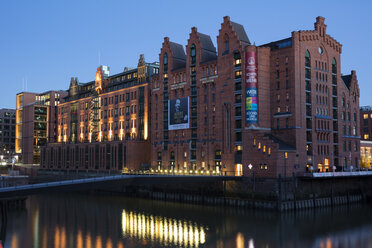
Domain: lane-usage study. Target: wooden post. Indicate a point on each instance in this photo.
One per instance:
(294, 189)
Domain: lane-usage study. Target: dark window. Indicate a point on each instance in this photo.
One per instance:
(334, 66)
(193, 54)
(307, 59)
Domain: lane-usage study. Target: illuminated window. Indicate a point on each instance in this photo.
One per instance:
(269, 151)
(254, 142)
(264, 149)
(278, 109)
(259, 145)
(238, 148)
(238, 74)
(286, 155)
(371, 116)
(366, 136)
(237, 59)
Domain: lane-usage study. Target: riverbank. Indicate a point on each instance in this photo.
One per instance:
(280, 194)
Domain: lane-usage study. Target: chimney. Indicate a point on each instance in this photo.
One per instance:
(320, 26)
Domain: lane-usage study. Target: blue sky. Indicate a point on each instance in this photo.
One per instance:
(48, 42)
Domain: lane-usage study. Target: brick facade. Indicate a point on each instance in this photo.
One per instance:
(306, 110)
(104, 124)
(208, 113)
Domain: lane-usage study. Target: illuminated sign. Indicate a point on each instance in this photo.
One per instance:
(178, 113)
(251, 87)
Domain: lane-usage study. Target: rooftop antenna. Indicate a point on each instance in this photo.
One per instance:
(23, 84)
(26, 83)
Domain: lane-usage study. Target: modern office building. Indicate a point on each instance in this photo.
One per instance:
(104, 124)
(35, 123)
(7, 133)
(275, 109)
(366, 123)
(366, 136)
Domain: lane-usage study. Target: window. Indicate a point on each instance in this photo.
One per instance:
(193, 54)
(365, 116)
(226, 43)
(366, 136)
(307, 59)
(334, 66)
(237, 59)
(165, 63)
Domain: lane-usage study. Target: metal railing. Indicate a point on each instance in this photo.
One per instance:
(184, 172)
(128, 174)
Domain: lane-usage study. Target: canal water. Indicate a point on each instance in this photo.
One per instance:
(101, 220)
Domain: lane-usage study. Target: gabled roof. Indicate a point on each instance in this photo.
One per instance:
(240, 32)
(179, 56)
(177, 50)
(347, 80)
(208, 50)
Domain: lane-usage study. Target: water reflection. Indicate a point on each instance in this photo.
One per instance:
(162, 230)
(97, 221)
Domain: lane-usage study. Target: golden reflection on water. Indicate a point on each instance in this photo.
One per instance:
(163, 230)
(88, 241)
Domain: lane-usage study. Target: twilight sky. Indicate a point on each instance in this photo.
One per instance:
(47, 42)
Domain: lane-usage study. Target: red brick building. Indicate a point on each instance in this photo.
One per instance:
(275, 109)
(104, 124)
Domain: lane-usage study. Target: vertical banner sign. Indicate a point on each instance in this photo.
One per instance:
(251, 87)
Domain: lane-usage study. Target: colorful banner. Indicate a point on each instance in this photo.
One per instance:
(251, 87)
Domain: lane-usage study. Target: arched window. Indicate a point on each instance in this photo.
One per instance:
(193, 54)
(165, 59)
(334, 66)
(165, 62)
(307, 65)
(307, 59)
(226, 39)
